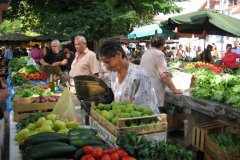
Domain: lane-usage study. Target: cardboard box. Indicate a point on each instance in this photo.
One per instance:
(111, 139)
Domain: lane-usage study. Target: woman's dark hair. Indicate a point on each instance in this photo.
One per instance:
(158, 40)
(109, 49)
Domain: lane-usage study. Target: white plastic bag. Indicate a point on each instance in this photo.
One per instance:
(65, 108)
(31, 62)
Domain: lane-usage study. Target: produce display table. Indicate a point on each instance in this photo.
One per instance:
(200, 110)
(206, 107)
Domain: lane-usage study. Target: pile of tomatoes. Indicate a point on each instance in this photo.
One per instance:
(35, 76)
(97, 153)
(211, 66)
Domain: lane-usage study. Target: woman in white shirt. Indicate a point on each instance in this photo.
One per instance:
(128, 81)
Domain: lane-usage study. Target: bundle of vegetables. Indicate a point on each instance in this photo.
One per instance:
(144, 149)
(230, 143)
(30, 92)
(223, 89)
(16, 63)
(30, 69)
(213, 68)
(35, 76)
(18, 80)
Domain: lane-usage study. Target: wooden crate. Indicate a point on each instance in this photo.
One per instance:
(234, 127)
(23, 100)
(121, 124)
(201, 130)
(214, 152)
(22, 111)
(110, 139)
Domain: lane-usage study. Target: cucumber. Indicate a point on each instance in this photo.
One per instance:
(75, 131)
(49, 150)
(78, 154)
(31, 148)
(84, 136)
(80, 143)
(43, 137)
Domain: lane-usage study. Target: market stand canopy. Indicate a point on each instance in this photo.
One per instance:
(15, 37)
(150, 30)
(206, 21)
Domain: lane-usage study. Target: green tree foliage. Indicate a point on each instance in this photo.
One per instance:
(8, 27)
(94, 19)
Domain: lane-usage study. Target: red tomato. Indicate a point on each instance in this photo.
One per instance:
(87, 157)
(122, 153)
(106, 157)
(115, 156)
(105, 151)
(128, 158)
(112, 150)
(97, 152)
(87, 149)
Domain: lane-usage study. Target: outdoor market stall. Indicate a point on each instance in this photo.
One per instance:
(29, 134)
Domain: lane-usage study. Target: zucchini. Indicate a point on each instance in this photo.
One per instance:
(75, 131)
(82, 142)
(49, 150)
(43, 137)
(78, 154)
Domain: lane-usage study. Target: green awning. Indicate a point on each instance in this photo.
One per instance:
(150, 30)
(208, 21)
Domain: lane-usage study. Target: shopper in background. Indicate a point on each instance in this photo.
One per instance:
(154, 63)
(206, 55)
(128, 81)
(56, 57)
(69, 55)
(236, 47)
(180, 52)
(230, 58)
(36, 53)
(85, 61)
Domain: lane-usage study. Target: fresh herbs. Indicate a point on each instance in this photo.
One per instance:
(144, 149)
(31, 119)
(230, 143)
